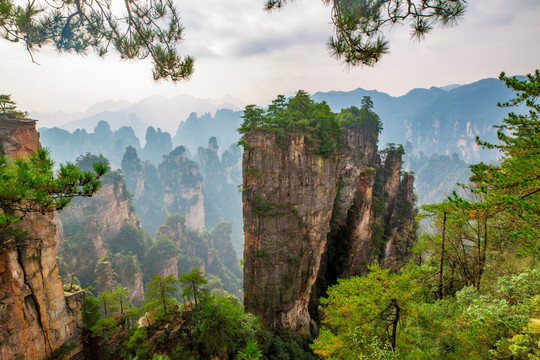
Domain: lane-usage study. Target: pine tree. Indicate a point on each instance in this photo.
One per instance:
(511, 189)
(359, 25)
(31, 185)
(8, 108)
(149, 28)
(193, 282)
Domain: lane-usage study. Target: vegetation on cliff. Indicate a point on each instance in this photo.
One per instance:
(8, 109)
(32, 185)
(300, 114)
(182, 319)
(473, 289)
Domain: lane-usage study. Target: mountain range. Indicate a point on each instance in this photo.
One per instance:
(432, 121)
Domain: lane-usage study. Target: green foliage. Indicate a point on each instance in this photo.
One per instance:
(86, 162)
(160, 294)
(104, 328)
(138, 343)
(299, 114)
(261, 205)
(128, 240)
(479, 326)
(359, 312)
(473, 243)
(147, 29)
(160, 250)
(284, 346)
(512, 188)
(192, 283)
(363, 118)
(359, 25)
(251, 352)
(30, 185)
(90, 312)
(8, 108)
(63, 351)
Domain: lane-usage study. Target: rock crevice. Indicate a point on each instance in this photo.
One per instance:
(309, 220)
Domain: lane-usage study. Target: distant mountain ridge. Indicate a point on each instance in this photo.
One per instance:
(435, 120)
(158, 111)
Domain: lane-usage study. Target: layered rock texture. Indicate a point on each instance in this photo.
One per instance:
(174, 187)
(102, 239)
(36, 316)
(180, 249)
(221, 177)
(310, 219)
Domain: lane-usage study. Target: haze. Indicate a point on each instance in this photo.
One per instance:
(248, 54)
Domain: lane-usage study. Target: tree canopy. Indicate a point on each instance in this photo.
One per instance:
(149, 28)
(152, 28)
(8, 108)
(31, 185)
(300, 114)
(360, 25)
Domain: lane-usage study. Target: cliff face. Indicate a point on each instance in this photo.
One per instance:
(182, 188)
(221, 178)
(111, 203)
(288, 199)
(310, 219)
(210, 250)
(174, 187)
(36, 316)
(96, 229)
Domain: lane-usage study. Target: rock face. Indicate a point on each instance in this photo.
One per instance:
(174, 187)
(211, 250)
(99, 227)
(310, 219)
(36, 316)
(221, 178)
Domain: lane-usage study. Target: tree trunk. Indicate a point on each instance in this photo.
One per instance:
(440, 290)
(394, 325)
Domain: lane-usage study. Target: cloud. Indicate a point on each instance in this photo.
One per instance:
(268, 43)
(242, 28)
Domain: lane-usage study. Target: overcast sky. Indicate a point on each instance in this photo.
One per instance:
(252, 55)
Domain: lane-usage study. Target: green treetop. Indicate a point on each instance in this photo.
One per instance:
(192, 282)
(160, 293)
(8, 108)
(300, 114)
(364, 117)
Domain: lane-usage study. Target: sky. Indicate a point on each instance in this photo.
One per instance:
(252, 55)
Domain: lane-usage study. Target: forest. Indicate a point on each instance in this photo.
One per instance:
(470, 286)
(332, 225)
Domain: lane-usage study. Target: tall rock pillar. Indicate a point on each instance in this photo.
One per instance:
(36, 316)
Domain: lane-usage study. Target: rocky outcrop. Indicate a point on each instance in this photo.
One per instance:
(288, 200)
(36, 316)
(98, 228)
(174, 187)
(129, 274)
(19, 137)
(105, 275)
(310, 219)
(210, 250)
(221, 178)
(112, 203)
(182, 188)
